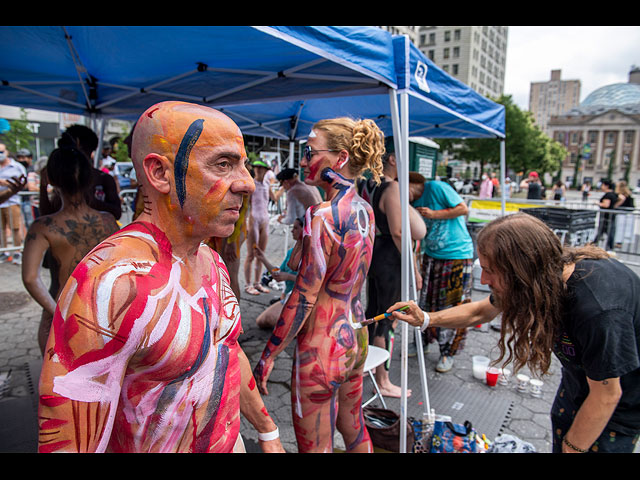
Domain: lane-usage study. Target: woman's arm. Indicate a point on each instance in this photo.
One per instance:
(35, 246)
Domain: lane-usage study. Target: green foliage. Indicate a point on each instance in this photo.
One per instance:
(20, 136)
(526, 146)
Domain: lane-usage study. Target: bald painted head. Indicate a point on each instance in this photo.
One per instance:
(190, 160)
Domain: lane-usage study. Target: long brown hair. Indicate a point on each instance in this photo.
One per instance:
(530, 259)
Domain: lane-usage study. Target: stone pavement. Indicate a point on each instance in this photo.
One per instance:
(493, 411)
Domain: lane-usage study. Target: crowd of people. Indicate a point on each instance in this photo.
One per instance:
(140, 324)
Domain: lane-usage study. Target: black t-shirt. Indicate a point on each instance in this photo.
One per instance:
(534, 191)
(600, 337)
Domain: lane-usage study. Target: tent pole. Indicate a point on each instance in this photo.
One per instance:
(503, 168)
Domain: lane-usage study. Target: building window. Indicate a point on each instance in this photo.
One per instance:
(456, 52)
(454, 68)
(445, 53)
(611, 138)
(628, 138)
(456, 34)
(447, 36)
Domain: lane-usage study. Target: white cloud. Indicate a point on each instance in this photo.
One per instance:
(595, 55)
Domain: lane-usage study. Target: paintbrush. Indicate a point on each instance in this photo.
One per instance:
(380, 317)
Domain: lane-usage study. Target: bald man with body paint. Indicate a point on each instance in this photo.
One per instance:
(143, 353)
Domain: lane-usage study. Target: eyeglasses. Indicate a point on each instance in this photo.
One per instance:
(308, 152)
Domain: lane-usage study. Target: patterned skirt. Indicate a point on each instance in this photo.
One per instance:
(445, 284)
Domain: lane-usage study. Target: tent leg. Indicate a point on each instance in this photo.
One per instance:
(503, 171)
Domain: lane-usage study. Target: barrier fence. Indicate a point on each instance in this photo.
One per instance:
(575, 222)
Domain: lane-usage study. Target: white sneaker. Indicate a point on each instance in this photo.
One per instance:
(17, 259)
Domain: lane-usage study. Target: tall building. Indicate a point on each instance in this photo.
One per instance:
(602, 134)
(475, 55)
(552, 98)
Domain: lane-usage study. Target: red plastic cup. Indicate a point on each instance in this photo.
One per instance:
(492, 376)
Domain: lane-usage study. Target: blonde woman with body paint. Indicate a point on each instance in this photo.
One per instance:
(324, 308)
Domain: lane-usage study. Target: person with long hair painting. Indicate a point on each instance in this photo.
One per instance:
(324, 309)
(577, 303)
(143, 354)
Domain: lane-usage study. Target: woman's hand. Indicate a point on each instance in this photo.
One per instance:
(261, 374)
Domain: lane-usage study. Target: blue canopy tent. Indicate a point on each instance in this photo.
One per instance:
(274, 81)
(119, 71)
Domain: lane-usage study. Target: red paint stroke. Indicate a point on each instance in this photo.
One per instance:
(54, 446)
(52, 423)
(150, 114)
(252, 384)
(52, 400)
(264, 411)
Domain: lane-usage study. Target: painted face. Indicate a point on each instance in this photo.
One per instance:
(490, 276)
(216, 178)
(320, 159)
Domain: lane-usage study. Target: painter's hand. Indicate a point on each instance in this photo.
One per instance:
(414, 316)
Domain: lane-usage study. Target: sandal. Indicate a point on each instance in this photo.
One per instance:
(261, 288)
(251, 290)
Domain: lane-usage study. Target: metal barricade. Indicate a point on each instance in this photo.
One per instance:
(620, 234)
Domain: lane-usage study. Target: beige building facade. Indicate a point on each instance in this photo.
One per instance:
(475, 55)
(602, 134)
(552, 98)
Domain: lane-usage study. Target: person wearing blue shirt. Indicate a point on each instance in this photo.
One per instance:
(447, 263)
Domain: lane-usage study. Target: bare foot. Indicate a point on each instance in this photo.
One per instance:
(392, 390)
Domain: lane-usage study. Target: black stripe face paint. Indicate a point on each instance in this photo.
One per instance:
(181, 163)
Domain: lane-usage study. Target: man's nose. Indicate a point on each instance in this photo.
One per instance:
(244, 183)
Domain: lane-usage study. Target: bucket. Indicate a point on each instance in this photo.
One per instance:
(480, 365)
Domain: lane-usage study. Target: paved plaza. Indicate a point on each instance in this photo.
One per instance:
(492, 410)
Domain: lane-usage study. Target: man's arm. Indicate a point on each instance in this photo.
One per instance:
(593, 415)
(84, 364)
(253, 409)
(465, 315)
(445, 213)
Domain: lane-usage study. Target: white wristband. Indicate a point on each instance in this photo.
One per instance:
(265, 437)
(425, 322)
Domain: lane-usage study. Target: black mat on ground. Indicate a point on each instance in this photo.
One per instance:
(18, 415)
(487, 409)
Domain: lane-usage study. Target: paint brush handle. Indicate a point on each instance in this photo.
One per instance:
(377, 318)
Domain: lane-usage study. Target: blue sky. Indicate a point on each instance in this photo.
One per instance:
(595, 55)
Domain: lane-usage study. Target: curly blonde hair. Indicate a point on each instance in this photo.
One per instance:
(363, 139)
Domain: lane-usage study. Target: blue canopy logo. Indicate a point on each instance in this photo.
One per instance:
(421, 77)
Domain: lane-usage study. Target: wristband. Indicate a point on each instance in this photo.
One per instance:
(571, 446)
(265, 437)
(425, 322)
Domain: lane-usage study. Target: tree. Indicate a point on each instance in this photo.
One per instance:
(526, 146)
(19, 136)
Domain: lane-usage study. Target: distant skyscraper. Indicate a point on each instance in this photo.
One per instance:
(475, 55)
(552, 98)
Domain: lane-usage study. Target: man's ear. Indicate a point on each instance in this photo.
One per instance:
(158, 170)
